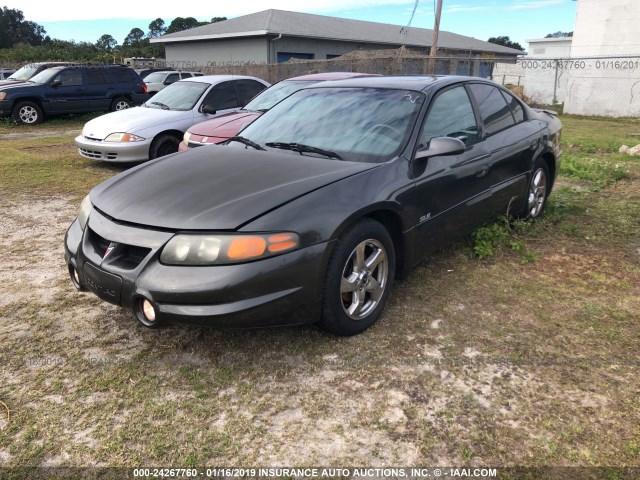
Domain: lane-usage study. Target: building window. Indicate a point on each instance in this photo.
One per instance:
(286, 56)
(330, 56)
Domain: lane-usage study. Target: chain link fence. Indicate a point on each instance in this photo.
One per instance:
(602, 86)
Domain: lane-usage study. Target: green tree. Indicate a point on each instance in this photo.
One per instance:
(505, 42)
(559, 34)
(218, 19)
(106, 42)
(157, 28)
(179, 24)
(134, 37)
(14, 29)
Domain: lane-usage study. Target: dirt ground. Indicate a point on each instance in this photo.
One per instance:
(474, 362)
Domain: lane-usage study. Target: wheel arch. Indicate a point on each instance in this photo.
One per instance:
(550, 159)
(173, 132)
(391, 219)
(37, 100)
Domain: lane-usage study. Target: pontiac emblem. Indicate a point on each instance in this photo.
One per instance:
(109, 250)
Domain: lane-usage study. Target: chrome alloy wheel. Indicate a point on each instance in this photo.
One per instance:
(364, 279)
(122, 105)
(28, 114)
(537, 192)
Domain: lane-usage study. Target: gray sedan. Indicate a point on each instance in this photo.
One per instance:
(156, 128)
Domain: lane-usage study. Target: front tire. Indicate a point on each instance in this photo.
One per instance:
(164, 144)
(28, 113)
(359, 278)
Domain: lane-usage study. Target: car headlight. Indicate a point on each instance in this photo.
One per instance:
(186, 137)
(226, 249)
(123, 137)
(3, 95)
(85, 209)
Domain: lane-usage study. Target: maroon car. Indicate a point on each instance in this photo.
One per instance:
(222, 128)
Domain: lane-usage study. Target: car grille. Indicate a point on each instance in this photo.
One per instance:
(92, 139)
(122, 256)
(194, 144)
(98, 155)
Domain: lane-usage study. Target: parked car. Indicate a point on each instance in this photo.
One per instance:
(155, 129)
(222, 128)
(75, 89)
(156, 81)
(143, 72)
(310, 215)
(5, 73)
(30, 70)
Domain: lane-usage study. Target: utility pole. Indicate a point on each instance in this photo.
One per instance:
(434, 41)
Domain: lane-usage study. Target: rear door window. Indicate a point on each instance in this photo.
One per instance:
(514, 104)
(97, 76)
(496, 114)
(247, 89)
(185, 75)
(172, 78)
(222, 96)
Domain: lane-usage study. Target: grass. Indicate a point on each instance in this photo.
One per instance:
(476, 361)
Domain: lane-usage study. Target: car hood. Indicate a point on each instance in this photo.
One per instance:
(131, 120)
(7, 85)
(225, 126)
(215, 187)
(4, 83)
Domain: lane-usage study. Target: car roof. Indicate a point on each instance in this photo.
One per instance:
(415, 82)
(214, 79)
(326, 76)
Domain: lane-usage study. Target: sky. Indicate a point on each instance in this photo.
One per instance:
(518, 19)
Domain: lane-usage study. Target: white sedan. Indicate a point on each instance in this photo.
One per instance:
(155, 128)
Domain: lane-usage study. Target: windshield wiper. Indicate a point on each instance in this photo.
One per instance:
(161, 105)
(300, 148)
(246, 141)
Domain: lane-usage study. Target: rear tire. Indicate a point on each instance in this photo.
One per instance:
(28, 113)
(538, 190)
(359, 278)
(120, 103)
(163, 144)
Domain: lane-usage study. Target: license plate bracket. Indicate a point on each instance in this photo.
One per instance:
(105, 285)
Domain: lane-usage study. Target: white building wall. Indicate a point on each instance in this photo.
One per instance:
(217, 53)
(609, 88)
(541, 82)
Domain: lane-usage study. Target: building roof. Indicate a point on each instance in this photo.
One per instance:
(281, 22)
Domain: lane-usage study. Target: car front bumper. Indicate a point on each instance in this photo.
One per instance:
(282, 290)
(113, 151)
(5, 108)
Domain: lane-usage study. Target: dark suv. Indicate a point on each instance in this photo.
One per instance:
(73, 89)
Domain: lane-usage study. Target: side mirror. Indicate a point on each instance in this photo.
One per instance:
(56, 83)
(209, 109)
(442, 146)
(167, 82)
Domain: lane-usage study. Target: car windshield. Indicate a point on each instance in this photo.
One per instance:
(25, 73)
(155, 77)
(359, 124)
(45, 75)
(178, 96)
(273, 95)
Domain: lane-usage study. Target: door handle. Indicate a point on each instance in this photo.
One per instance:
(482, 171)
